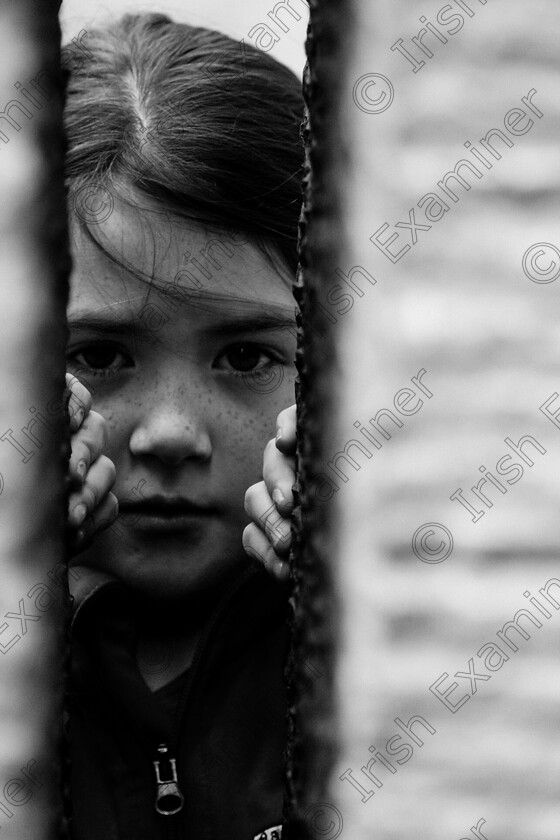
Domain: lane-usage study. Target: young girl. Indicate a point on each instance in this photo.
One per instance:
(184, 172)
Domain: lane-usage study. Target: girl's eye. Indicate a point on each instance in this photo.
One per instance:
(245, 358)
(100, 359)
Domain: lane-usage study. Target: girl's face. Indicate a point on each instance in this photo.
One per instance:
(190, 385)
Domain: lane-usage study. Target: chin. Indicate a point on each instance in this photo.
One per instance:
(170, 573)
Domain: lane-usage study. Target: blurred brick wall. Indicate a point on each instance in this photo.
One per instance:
(459, 305)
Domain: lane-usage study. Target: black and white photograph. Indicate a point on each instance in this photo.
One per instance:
(280, 420)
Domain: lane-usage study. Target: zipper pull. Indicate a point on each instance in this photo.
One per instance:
(169, 799)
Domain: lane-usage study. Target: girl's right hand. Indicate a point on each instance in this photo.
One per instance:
(270, 502)
(91, 504)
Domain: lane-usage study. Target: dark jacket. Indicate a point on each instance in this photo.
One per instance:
(227, 734)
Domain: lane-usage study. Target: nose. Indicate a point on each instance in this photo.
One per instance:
(170, 430)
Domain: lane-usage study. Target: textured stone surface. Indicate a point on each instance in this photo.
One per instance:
(312, 743)
(32, 467)
(459, 306)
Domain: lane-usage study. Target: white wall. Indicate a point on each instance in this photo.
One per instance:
(235, 20)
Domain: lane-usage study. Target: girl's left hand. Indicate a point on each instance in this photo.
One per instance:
(91, 506)
(270, 502)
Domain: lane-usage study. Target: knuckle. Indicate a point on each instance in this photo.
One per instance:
(272, 467)
(89, 496)
(84, 395)
(79, 450)
(97, 426)
(287, 415)
(276, 528)
(74, 499)
(247, 500)
(270, 448)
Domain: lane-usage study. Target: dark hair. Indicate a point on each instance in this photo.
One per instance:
(207, 126)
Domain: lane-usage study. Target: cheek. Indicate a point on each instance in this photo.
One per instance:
(240, 438)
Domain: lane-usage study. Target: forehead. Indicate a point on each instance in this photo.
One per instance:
(139, 249)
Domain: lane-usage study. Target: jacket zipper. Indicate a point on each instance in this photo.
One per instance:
(169, 799)
(170, 787)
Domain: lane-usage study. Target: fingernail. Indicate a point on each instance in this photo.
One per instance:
(283, 569)
(277, 496)
(252, 553)
(79, 514)
(81, 469)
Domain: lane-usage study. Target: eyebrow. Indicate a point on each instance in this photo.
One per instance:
(106, 325)
(226, 324)
(252, 323)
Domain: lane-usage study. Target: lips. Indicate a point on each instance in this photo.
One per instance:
(164, 513)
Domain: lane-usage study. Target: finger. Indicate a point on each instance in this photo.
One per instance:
(257, 546)
(79, 403)
(262, 510)
(99, 480)
(87, 443)
(103, 516)
(279, 473)
(286, 431)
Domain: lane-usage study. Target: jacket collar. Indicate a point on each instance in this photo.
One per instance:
(84, 583)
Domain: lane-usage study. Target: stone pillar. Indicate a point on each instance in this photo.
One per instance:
(428, 591)
(33, 268)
